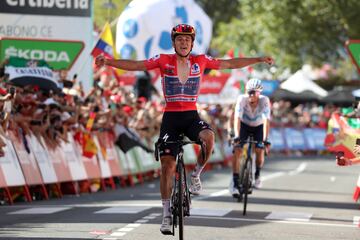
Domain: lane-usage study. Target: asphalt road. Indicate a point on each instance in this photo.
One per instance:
(301, 198)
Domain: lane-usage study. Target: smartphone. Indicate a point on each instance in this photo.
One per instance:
(12, 91)
(35, 122)
(339, 154)
(358, 141)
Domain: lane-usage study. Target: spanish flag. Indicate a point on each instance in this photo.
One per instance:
(105, 45)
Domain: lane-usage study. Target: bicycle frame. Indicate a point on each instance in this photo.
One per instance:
(246, 175)
(180, 198)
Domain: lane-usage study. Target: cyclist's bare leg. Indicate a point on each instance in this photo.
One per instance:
(259, 157)
(208, 138)
(236, 160)
(259, 163)
(236, 167)
(168, 166)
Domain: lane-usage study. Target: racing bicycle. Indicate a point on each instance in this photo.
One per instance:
(247, 172)
(180, 197)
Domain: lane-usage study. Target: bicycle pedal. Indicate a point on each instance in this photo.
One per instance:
(167, 232)
(236, 195)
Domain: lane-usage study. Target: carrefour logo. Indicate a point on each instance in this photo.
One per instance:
(81, 8)
(58, 54)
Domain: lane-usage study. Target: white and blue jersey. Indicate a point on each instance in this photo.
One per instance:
(254, 117)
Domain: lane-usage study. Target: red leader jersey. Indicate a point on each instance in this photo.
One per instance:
(181, 97)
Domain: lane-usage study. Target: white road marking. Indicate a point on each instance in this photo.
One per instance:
(131, 226)
(299, 169)
(209, 212)
(142, 221)
(125, 229)
(123, 209)
(272, 176)
(214, 194)
(356, 220)
(40, 210)
(289, 216)
(277, 221)
(118, 234)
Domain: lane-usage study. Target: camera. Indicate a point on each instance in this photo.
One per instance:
(340, 154)
(12, 91)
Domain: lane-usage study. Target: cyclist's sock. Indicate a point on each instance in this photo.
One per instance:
(236, 178)
(166, 207)
(198, 169)
(257, 172)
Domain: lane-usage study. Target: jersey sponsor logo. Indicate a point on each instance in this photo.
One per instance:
(195, 69)
(209, 57)
(165, 137)
(181, 99)
(154, 58)
(169, 66)
(169, 71)
(173, 86)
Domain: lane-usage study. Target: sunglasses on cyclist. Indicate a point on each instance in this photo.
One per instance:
(252, 93)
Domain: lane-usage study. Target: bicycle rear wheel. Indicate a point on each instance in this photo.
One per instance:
(180, 202)
(246, 182)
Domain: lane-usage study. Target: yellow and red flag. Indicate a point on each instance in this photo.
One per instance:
(105, 45)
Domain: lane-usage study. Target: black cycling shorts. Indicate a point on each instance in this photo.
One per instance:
(174, 124)
(257, 132)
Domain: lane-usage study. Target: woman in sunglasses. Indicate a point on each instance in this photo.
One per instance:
(181, 75)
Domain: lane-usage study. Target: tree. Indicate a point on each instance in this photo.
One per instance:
(220, 11)
(107, 10)
(293, 31)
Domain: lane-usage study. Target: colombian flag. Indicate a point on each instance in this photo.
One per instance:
(105, 45)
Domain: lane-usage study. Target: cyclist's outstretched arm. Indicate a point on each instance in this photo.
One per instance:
(125, 64)
(243, 62)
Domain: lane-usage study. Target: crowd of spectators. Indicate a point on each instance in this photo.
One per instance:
(50, 115)
(309, 114)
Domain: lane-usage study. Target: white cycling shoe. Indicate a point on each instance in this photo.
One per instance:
(166, 226)
(234, 191)
(258, 183)
(195, 186)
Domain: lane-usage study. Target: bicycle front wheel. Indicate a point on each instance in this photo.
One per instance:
(181, 200)
(246, 183)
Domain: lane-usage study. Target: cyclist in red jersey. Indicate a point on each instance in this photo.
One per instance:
(181, 77)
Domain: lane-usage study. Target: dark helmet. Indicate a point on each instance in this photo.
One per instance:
(183, 29)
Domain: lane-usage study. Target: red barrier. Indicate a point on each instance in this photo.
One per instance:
(356, 194)
(27, 161)
(61, 168)
(29, 166)
(106, 141)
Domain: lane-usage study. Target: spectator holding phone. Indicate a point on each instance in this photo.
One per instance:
(341, 160)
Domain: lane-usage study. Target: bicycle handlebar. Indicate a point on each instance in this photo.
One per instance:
(180, 143)
(236, 142)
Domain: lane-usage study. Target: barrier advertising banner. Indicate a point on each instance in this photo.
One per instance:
(10, 166)
(43, 159)
(31, 29)
(27, 161)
